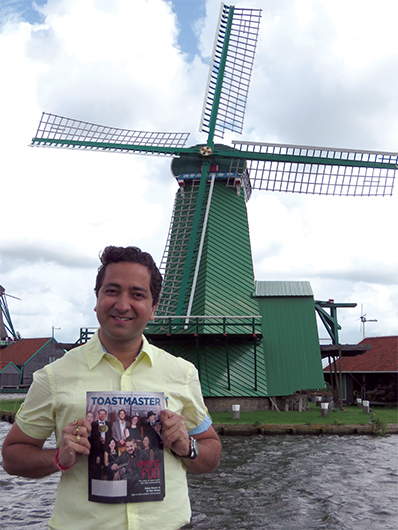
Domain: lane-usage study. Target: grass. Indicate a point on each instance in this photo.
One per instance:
(10, 405)
(350, 415)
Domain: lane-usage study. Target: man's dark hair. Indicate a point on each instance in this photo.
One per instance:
(130, 255)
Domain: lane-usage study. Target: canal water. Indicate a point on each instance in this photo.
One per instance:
(263, 482)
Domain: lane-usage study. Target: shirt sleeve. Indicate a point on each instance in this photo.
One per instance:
(36, 416)
(196, 416)
(202, 427)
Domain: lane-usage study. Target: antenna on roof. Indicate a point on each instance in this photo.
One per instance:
(363, 320)
(53, 329)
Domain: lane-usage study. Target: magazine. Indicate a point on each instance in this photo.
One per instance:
(126, 458)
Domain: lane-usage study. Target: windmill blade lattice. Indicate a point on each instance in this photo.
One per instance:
(316, 170)
(58, 131)
(230, 71)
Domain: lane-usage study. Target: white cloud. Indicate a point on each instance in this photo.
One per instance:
(325, 74)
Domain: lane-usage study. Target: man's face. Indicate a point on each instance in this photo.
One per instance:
(130, 446)
(124, 303)
(122, 415)
(102, 415)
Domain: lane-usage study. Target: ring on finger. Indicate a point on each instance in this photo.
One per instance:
(77, 438)
(76, 422)
(77, 430)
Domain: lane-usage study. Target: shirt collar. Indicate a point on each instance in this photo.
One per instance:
(96, 351)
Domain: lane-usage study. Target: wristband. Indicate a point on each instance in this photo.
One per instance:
(59, 466)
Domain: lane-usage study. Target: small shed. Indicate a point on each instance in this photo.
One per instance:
(10, 375)
(27, 356)
(372, 375)
(290, 336)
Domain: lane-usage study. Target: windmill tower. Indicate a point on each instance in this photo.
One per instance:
(7, 331)
(207, 313)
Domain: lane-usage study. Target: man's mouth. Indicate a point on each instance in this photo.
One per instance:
(121, 319)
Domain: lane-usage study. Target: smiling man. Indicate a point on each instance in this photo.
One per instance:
(118, 357)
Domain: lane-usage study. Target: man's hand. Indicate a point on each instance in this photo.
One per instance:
(25, 456)
(174, 434)
(74, 442)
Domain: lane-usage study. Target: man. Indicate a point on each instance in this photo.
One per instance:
(125, 466)
(151, 418)
(148, 428)
(101, 429)
(101, 434)
(119, 430)
(118, 357)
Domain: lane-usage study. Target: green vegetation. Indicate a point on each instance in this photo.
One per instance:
(351, 415)
(379, 422)
(10, 405)
(379, 416)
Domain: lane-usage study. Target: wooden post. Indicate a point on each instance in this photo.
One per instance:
(235, 412)
(331, 376)
(324, 409)
(341, 382)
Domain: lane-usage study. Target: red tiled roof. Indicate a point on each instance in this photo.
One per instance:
(382, 357)
(21, 351)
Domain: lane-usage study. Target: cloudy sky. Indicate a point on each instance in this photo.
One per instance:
(326, 74)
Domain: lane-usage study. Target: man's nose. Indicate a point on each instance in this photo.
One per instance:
(123, 302)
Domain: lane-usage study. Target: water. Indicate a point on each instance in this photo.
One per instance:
(299, 483)
(278, 482)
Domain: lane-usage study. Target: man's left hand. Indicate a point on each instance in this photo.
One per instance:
(174, 434)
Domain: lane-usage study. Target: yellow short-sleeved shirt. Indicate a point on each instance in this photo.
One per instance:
(57, 397)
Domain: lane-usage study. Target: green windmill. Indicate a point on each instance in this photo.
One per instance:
(207, 312)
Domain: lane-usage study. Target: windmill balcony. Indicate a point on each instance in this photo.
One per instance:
(209, 325)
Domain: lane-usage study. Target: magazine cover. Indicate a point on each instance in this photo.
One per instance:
(126, 458)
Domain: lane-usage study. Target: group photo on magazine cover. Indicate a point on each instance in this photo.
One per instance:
(126, 459)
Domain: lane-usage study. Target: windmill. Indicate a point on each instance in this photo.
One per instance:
(207, 262)
(7, 331)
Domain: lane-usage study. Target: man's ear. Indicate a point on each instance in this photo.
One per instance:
(152, 315)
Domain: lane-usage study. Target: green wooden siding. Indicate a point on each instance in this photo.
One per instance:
(231, 364)
(291, 344)
(227, 367)
(184, 209)
(226, 280)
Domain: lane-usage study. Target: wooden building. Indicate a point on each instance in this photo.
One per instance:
(20, 359)
(372, 375)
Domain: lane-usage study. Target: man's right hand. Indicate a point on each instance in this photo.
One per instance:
(74, 442)
(25, 456)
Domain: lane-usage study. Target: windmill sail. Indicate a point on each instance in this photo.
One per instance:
(58, 131)
(230, 71)
(317, 170)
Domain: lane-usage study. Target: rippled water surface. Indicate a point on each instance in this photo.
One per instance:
(278, 482)
(300, 482)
